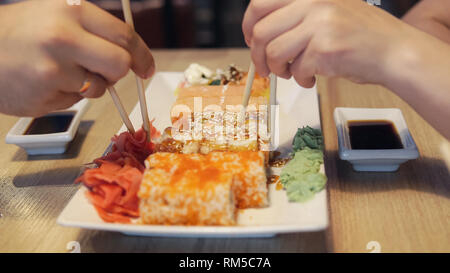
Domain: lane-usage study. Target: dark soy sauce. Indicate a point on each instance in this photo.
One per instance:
(52, 123)
(373, 134)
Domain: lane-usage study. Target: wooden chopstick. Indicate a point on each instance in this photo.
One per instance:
(122, 112)
(273, 89)
(139, 82)
(247, 91)
(272, 109)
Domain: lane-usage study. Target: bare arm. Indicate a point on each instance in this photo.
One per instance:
(431, 16)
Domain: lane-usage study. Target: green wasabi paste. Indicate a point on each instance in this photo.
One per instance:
(300, 177)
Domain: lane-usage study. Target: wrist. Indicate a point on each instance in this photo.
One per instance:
(401, 64)
(415, 63)
(410, 59)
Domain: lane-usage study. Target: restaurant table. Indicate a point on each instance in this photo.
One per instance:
(403, 211)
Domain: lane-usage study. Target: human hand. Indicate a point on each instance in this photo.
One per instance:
(302, 38)
(49, 50)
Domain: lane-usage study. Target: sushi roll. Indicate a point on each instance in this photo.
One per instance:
(249, 176)
(197, 189)
(184, 189)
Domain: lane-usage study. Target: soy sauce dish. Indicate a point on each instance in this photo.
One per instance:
(49, 134)
(374, 139)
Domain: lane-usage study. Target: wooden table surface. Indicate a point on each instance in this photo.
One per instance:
(405, 211)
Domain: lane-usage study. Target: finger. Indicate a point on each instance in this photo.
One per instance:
(63, 100)
(100, 56)
(282, 50)
(256, 10)
(105, 25)
(266, 30)
(302, 69)
(72, 78)
(68, 77)
(94, 86)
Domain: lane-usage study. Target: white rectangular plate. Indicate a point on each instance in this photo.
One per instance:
(298, 107)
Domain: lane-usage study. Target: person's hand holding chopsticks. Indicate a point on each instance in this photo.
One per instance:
(332, 38)
(53, 54)
(351, 39)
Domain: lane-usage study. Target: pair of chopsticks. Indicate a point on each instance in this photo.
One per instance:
(272, 99)
(140, 85)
